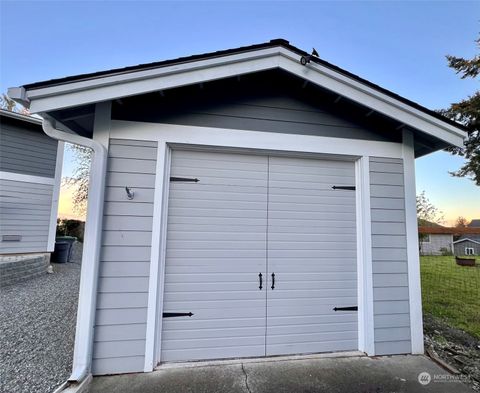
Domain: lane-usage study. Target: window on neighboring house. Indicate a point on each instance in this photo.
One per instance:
(469, 251)
(425, 238)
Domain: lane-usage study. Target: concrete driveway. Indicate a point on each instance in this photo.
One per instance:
(392, 374)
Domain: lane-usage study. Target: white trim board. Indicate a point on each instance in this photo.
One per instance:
(157, 259)
(26, 178)
(55, 196)
(159, 231)
(414, 286)
(111, 87)
(366, 328)
(256, 140)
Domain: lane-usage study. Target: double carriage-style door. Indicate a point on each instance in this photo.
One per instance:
(261, 254)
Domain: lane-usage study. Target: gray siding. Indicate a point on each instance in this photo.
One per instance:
(389, 257)
(25, 211)
(26, 151)
(282, 114)
(120, 326)
(460, 247)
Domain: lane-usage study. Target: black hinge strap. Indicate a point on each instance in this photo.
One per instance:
(176, 314)
(344, 188)
(352, 308)
(187, 179)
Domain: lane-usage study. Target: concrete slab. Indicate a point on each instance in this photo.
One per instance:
(392, 374)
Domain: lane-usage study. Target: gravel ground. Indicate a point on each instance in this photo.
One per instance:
(454, 346)
(37, 330)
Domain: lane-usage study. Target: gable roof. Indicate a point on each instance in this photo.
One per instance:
(20, 117)
(474, 223)
(87, 89)
(466, 239)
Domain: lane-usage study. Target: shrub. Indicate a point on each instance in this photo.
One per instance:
(67, 227)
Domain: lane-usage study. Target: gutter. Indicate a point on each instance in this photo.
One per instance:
(82, 356)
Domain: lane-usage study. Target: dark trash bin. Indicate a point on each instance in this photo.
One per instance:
(60, 253)
(69, 240)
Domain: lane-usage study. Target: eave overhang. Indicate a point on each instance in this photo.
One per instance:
(90, 89)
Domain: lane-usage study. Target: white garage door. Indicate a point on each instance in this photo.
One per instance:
(249, 219)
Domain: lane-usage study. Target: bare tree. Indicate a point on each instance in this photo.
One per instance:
(79, 180)
(461, 222)
(427, 213)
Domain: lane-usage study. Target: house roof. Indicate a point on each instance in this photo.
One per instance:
(81, 92)
(209, 55)
(447, 230)
(20, 116)
(475, 223)
(466, 239)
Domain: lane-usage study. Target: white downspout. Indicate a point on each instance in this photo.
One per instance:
(91, 252)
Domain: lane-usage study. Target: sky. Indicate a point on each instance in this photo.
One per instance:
(398, 45)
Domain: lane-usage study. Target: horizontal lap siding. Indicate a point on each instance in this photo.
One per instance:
(25, 211)
(282, 114)
(26, 151)
(121, 317)
(389, 257)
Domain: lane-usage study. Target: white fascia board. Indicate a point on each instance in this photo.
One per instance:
(373, 99)
(19, 116)
(140, 82)
(466, 239)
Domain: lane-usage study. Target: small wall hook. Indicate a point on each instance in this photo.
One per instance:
(130, 193)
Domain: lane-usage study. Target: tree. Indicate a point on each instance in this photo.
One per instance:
(79, 180)
(467, 112)
(7, 103)
(427, 213)
(461, 222)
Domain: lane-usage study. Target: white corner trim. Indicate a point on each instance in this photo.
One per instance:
(52, 230)
(82, 354)
(157, 259)
(257, 140)
(366, 339)
(414, 283)
(26, 178)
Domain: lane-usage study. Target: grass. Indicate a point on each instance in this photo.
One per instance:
(451, 292)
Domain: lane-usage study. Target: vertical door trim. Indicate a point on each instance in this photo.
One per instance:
(414, 285)
(157, 258)
(364, 257)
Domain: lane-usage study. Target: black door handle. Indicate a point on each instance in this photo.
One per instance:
(273, 280)
(260, 280)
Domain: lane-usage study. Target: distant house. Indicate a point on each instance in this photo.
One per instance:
(30, 173)
(469, 241)
(439, 240)
(436, 240)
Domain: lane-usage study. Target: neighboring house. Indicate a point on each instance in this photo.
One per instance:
(437, 240)
(251, 203)
(468, 243)
(30, 173)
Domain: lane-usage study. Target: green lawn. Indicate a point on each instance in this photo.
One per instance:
(452, 292)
